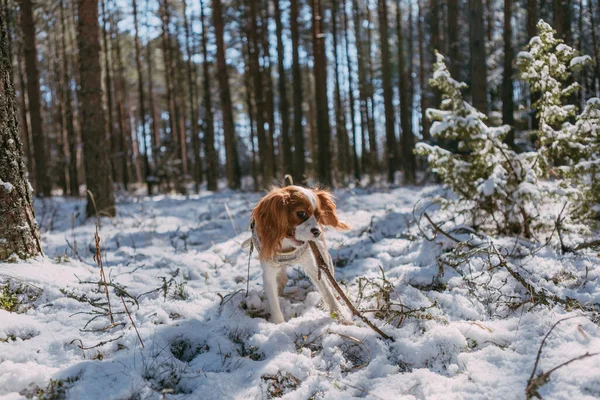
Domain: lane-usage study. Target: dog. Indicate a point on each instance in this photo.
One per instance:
(282, 224)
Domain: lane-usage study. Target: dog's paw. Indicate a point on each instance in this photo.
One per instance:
(277, 319)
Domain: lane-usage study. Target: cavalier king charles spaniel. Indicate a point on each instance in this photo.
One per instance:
(283, 221)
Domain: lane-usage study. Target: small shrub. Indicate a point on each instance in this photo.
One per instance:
(280, 384)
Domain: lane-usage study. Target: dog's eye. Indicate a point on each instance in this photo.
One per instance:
(301, 214)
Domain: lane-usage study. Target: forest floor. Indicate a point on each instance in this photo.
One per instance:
(178, 264)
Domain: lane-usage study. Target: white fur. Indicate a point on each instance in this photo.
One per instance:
(304, 230)
(275, 278)
(309, 194)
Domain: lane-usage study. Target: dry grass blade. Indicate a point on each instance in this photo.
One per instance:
(98, 259)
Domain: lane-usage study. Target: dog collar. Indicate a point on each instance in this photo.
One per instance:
(284, 256)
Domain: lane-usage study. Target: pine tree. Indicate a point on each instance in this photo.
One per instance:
(498, 187)
(546, 66)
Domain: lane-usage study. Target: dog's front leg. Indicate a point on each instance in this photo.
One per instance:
(309, 265)
(270, 273)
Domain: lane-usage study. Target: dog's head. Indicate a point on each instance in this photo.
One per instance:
(295, 213)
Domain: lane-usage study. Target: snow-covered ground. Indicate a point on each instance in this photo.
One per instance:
(181, 259)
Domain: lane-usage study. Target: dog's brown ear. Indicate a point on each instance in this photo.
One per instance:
(271, 219)
(327, 214)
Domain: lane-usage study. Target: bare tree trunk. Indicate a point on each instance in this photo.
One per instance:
(123, 148)
(97, 167)
(370, 78)
(142, 96)
(212, 161)
(69, 115)
(197, 166)
(532, 18)
(320, 74)
(116, 169)
(422, 94)
(340, 116)
(269, 101)
(24, 116)
(18, 228)
(284, 109)
(407, 138)
(169, 76)
(362, 87)
(298, 134)
(453, 39)
(42, 180)
(58, 106)
(250, 109)
(351, 95)
(388, 93)
(266, 159)
(478, 56)
(507, 82)
(232, 165)
(155, 137)
(595, 44)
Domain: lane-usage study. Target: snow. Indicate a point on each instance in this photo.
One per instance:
(205, 339)
(7, 186)
(580, 60)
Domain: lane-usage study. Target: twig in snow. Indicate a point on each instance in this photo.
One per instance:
(534, 383)
(132, 323)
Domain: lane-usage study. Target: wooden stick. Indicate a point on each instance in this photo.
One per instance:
(322, 265)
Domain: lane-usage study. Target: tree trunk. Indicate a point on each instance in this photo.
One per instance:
(266, 159)
(142, 96)
(388, 93)
(341, 132)
(18, 228)
(320, 74)
(453, 39)
(407, 138)
(532, 18)
(507, 82)
(97, 166)
(232, 166)
(351, 95)
(596, 49)
(169, 76)
(212, 161)
(69, 115)
(155, 137)
(424, 103)
(116, 169)
(288, 165)
(42, 180)
(298, 134)
(197, 166)
(269, 100)
(362, 87)
(370, 78)
(478, 56)
(24, 115)
(250, 109)
(123, 145)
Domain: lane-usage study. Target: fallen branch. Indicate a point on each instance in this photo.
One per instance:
(322, 265)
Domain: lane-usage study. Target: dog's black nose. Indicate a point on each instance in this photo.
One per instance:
(316, 232)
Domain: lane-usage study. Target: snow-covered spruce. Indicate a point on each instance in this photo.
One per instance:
(547, 65)
(500, 188)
